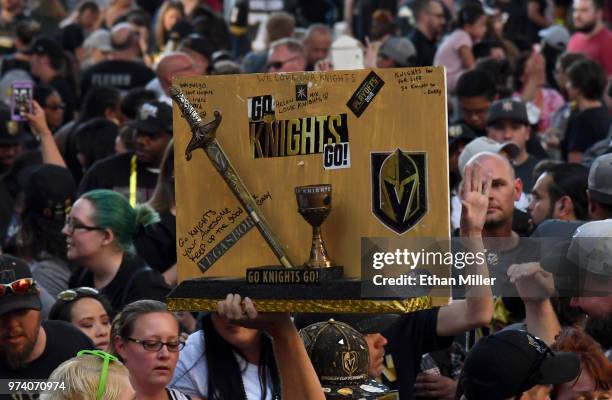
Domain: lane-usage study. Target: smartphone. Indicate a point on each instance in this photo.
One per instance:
(21, 101)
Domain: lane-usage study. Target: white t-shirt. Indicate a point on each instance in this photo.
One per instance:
(191, 373)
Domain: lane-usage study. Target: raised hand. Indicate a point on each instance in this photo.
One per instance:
(474, 199)
(532, 282)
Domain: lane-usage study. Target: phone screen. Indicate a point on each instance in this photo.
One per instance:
(21, 101)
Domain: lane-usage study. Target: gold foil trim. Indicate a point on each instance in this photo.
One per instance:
(311, 306)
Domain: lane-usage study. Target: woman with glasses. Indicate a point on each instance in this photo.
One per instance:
(146, 338)
(100, 232)
(88, 310)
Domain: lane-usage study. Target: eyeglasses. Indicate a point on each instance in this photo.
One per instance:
(56, 107)
(71, 294)
(19, 287)
(107, 358)
(156, 345)
(279, 64)
(72, 226)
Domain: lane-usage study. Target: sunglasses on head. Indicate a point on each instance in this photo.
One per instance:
(71, 294)
(19, 287)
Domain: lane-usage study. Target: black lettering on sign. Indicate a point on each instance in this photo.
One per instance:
(225, 244)
(260, 107)
(365, 93)
(336, 155)
(299, 136)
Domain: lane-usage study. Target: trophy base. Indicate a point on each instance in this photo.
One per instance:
(278, 275)
(332, 296)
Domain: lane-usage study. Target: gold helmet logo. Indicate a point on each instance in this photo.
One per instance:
(12, 128)
(399, 188)
(349, 361)
(399, 185)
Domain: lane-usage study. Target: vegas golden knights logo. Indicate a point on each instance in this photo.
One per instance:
(349, 361)
(399, 188)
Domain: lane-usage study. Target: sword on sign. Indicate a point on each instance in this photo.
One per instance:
(203, 136)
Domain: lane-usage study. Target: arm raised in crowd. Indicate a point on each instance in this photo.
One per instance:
(48, 147)
(294, 366)
(536, 286)
(477, 309)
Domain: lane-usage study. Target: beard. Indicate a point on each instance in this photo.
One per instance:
(587, 27)
(600, 329)
(18, 359)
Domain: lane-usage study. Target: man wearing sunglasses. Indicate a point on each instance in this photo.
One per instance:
(286, 55)
(30, 349)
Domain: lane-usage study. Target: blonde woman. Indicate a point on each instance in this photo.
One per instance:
(91, 375)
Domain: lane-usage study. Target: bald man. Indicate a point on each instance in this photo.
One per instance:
(172, 64)
(504, 245)
(124, 69)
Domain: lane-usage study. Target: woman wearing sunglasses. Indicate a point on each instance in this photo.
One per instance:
(88, 310)
(146, 338)
(100, 232)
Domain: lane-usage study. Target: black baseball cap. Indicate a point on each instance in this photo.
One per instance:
(199, 44)
(11, 132)
(459, 133)
(154, 117)
(510, 362)
(508, 110)
(340, 357)
(46, 46)
(49, 191)
(11, 270)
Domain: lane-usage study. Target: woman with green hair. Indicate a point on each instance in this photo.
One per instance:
(100, 232)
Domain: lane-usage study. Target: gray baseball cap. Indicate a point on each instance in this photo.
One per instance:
(484, 144)
(100, 39)
(400, 50)
(591, 247)
(600, 179)
(556, 36)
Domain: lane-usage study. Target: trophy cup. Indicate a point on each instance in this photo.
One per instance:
(314, 205)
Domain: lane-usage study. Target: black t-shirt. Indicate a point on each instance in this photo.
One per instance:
(114, 173)
(525, 172)
(135, 280)
(426, 49)
(409, 338)
(158, 244)
(515, 28)
(121, 74)
(585, 128)
(64, 341)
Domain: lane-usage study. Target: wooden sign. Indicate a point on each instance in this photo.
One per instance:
(377, 136)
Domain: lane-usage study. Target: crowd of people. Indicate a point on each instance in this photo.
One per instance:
(88, 209)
